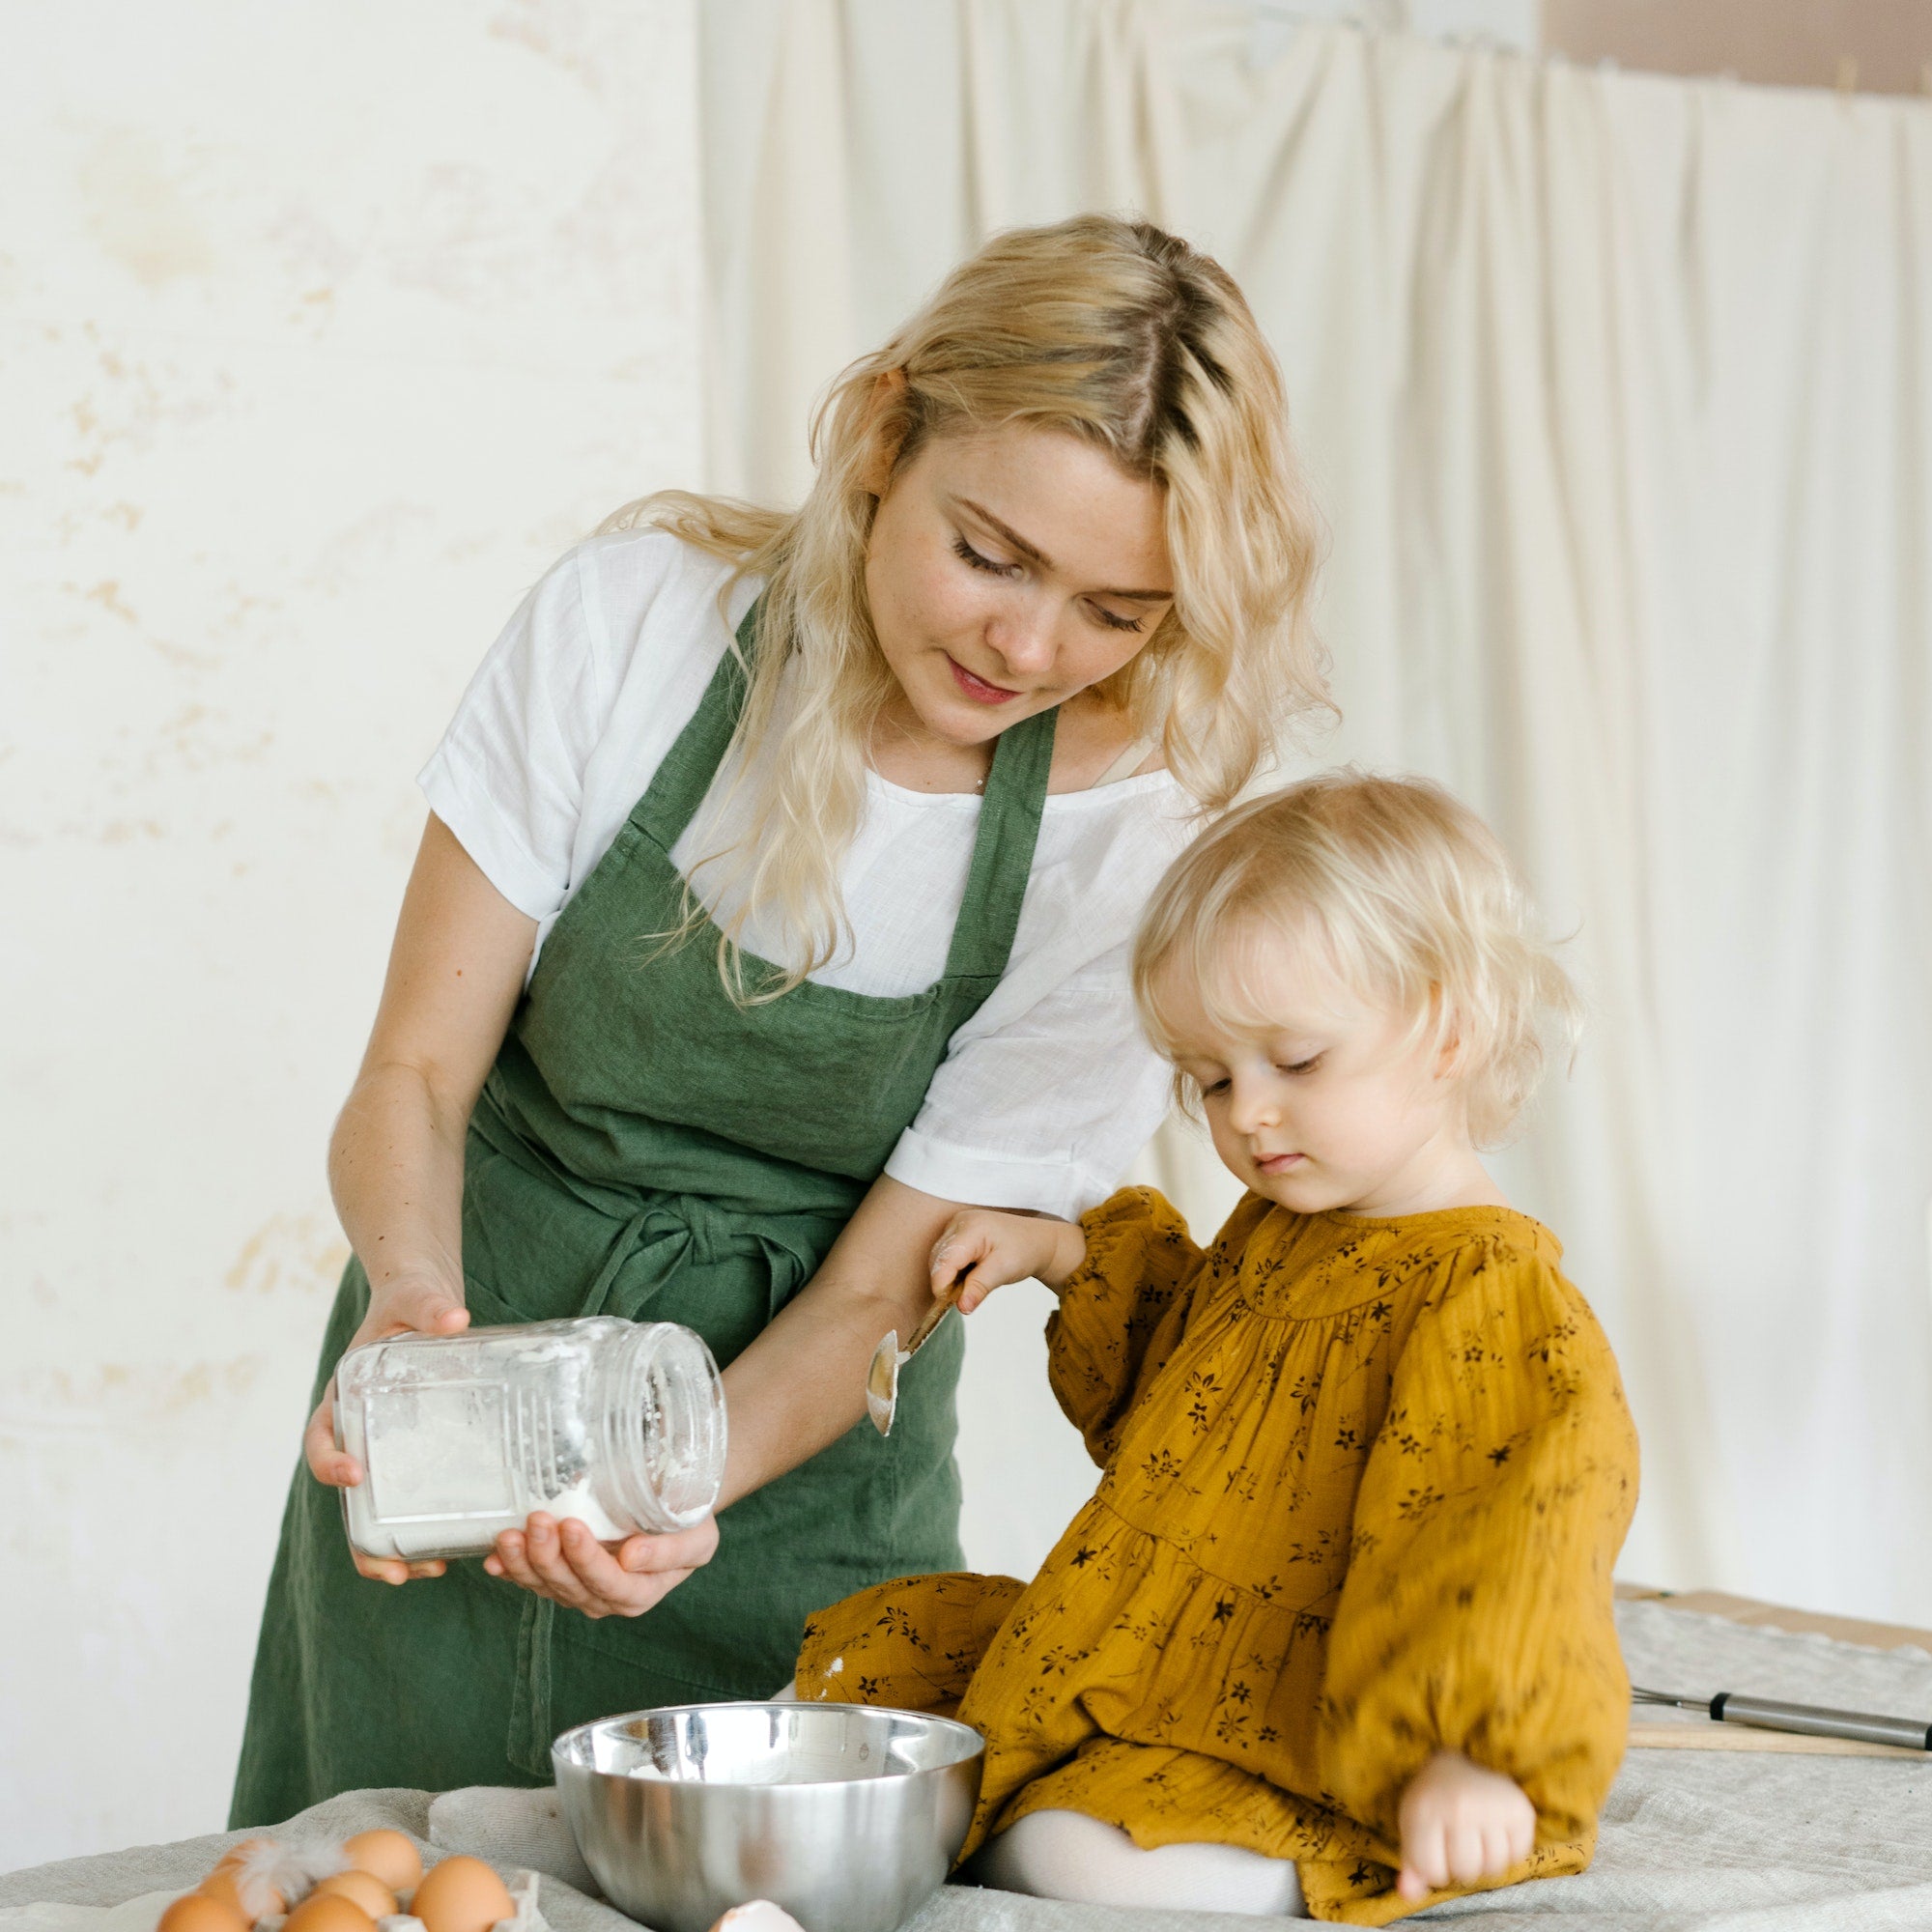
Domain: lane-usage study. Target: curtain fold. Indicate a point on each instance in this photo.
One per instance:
(1613, 388)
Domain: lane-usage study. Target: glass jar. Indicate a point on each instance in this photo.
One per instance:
(620, 1424)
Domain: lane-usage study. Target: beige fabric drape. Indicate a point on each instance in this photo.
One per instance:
(1615, 390)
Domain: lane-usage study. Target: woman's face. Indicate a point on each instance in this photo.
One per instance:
(1009, 570)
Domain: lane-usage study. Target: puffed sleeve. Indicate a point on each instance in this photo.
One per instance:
(1476, 1613)
(1121, 1313)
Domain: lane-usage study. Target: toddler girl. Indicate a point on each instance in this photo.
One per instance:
(1334, 1634)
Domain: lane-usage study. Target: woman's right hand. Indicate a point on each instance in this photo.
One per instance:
(984, 1248)
(422, 1305)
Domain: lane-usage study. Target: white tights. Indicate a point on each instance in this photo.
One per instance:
(1069, 1854)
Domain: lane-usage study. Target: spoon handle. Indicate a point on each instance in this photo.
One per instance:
(933, 1318)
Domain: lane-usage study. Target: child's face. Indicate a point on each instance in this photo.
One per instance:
(1338, 1106)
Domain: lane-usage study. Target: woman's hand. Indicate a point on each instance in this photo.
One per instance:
(423, 1306)
(565, 1563)
(984, 1248)
(1461, 1823)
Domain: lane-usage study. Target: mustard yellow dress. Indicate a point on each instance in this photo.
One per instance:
(1363, 1485)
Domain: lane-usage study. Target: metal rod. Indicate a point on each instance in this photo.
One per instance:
(1814, 1721)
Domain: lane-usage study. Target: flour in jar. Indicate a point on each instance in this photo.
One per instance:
(617, 1424)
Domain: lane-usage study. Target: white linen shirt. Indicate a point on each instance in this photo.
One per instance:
(1048, 1091)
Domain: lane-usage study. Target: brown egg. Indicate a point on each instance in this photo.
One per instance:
(459, 1896)
(235, 1854)
(250, 1895)
(364, 1887)
(329, 1912)
(387, 1856)
(197, 1911)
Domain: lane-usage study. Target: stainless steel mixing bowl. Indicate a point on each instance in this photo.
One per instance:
(847, 1816)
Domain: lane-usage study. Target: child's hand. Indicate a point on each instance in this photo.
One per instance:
(991, 1249)
(1461, 1823)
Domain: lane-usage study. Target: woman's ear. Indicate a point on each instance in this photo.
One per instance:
(884, 431)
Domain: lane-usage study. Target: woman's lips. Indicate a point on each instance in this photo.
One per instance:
(976, 688)
(1278, 1163)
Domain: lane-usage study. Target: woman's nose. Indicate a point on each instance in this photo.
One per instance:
(1023, 640)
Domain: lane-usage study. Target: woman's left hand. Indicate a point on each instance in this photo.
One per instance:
(565, 1563)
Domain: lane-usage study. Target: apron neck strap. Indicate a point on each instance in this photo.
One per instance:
(1009, 815)
(678, 789)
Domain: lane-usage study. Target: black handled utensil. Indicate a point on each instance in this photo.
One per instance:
(1812, 1721)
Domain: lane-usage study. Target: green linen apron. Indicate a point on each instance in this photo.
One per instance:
(643, 1146)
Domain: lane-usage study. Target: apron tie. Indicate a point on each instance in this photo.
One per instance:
(620, 1251)
(528, 1745)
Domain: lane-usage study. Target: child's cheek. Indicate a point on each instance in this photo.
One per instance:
(1232, 1147)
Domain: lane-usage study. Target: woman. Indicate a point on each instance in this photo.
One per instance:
(726, 974)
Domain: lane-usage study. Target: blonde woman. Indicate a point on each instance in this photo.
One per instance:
(775, 904)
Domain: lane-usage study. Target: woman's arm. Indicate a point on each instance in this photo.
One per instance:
(794, 1391)
(802, 1383)
(395, 1161)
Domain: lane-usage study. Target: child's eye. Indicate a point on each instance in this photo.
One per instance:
(967, 554)
(1210, 1087)
(1307, 1066)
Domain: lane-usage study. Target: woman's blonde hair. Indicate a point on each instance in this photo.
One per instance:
(1403, 893)
(1107, 330)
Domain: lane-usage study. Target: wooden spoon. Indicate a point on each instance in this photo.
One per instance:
(882, 1375)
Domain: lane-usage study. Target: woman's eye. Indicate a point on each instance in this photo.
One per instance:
(1113, 622)
(967, 554)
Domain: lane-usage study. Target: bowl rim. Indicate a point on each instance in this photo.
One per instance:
(560, 1745)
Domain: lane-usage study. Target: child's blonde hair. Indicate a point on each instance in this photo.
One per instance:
(1107, 330)
(1411, 901)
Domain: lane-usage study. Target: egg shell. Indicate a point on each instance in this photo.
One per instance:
(329, 1912)
(197, 1911)
(387, 1856)
(364, 1887)
(235, 1854)
(758, 1915)
(460, 1894)
(227, 1883)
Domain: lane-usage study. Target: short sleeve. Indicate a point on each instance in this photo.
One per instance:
(1045, 1110)
(1477, 1612)
(508, 777)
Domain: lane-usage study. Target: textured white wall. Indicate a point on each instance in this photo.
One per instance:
(322, 328)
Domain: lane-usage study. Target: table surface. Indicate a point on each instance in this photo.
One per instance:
(1690, 1842)
(1777, 1617)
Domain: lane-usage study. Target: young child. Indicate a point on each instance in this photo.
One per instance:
(1334, 1634)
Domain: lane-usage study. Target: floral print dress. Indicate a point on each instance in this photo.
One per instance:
(1363, 1484)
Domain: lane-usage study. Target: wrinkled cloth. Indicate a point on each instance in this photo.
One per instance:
(1690, 1842)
